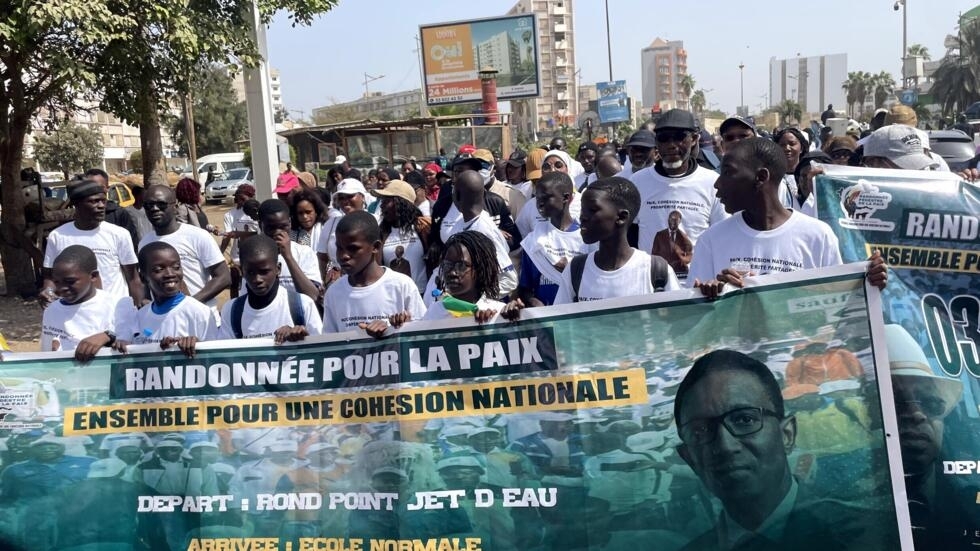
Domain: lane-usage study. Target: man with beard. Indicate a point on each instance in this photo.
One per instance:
(676, 183)
(641, 152)
(587, 155)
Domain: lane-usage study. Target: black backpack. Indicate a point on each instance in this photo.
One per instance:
(658, 273)
(238, 307)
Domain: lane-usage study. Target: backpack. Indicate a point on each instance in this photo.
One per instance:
(658, 273)
(238, 308)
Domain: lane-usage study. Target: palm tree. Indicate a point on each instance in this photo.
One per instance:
(865, 87)
(919, 50)
(698, 101)
(956, 83)
(850, 87)
(687, 84)
(882, 85)
(790, 110)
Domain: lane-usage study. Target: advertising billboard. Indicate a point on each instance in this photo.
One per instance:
(455, 52)
(613, 105)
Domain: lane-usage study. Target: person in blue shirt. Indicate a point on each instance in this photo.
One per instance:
(47, 471)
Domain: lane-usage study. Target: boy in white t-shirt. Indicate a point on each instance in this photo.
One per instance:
(267, 309)
(84, 319)
(615, 269)
(762, 236)
(299, 268)
(111, 244)
(547, 249)
(368, 291)
(238, 225)
(171, 318)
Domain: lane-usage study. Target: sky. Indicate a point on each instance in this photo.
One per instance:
(325, 63)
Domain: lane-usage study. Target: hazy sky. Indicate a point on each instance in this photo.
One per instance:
(325, 63)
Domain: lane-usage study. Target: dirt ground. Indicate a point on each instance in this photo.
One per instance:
(20, 320)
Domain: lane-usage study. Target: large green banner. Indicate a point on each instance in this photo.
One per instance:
(757, 421)
(927, 227)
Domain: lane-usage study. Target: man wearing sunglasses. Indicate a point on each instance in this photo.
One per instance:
(676, 182)
(736, 437)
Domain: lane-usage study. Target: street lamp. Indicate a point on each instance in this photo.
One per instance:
(901, 4)
(741, 81)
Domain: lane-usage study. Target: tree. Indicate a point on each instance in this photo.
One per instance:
(219, 118)
(335, 113)
(687, 84)
(956, 83)
(857, 86)
(47, 51)
(150, 66)
(698, 101)
(71, 148)
(882, 86)
(790, 110)
(919, 50)
(136, 161)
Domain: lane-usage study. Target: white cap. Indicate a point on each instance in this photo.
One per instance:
(907, 361)
(320, 446)
(482, 430)
(340, 160)
(48, 439)
(350, 186)
(390, 470)
(169, 443)
(204, 444)
(106, 468)
(283, 446)
(555, 416)
(467, 461)
(456, 430)
(645, 441)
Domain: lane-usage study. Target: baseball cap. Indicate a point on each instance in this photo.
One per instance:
(340, 160)
(535, 160)
(517, 158)
(287, 183)
(588, 146)
(901, 114)
(432, 167)
(397, 188)
(350, 186)
(280, 446)
(106, 468)
(483, 155)
(642, 138)
(679, 119)
(467, 461)
(736, 120)
(83, 189)
(901, 145)
(466, 149)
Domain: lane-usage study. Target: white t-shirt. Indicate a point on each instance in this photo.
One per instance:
(438, 312)
(70, 323)
(345, 305)
(484, 225)
(190, 318)
(305, 258)
(237, 220)
(632, 279)
(801, 243)
(529, 217)
(326, 243)
(198, 252)
(412, 252)
(693, 196)
(584, 179)
(264, 322)
(112, 245)
(547, 245)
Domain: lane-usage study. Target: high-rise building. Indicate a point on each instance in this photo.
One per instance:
(559, 90)
(813, 82)
(664, 66)
(500, 51)
(275, 88)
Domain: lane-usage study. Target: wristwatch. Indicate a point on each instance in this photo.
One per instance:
(112, 338)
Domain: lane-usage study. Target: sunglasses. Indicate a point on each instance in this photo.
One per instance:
(671, 136)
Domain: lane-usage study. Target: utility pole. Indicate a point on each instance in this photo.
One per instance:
(608, 42)
(188, 102)
(741, 82)
(369, 79)
(423, 109)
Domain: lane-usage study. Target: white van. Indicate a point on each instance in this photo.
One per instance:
(219, 163)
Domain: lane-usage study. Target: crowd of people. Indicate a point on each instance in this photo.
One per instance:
(479, 235)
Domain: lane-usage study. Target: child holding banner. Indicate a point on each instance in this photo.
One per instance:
(84, 319)
(549, 247)
(615, 269)
(369, 292)
(267, 308)
(172, 318)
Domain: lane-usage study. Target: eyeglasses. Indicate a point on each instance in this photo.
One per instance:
(740, 422)
(671, 136)
(548, 167)
(159, 205)
(841, 154)
(458, 266)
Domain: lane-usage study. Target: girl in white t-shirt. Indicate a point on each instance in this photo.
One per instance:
(467, 279)
(84, 317)
(404, 232)
(172, 317)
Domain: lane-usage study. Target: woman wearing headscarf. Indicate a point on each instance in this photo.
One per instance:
(793, 143)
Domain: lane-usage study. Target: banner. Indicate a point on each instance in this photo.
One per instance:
(927, 227)
(454, 53)
(613, 104)
(663, 422)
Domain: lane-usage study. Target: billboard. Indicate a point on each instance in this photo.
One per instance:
(556, 432)
(454, 53)
(613, 104)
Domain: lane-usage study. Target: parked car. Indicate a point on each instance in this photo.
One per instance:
(118, 192)
(218, 163)
(218, 190)
(955, 147)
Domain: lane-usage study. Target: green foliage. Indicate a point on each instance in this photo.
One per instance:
(882, 85)
(219, 118)
(71, 148)
(715, 114)
(956, 83)
(919, 50)
(698, 101)
(247, 160)
(790, 110)
(136, 161)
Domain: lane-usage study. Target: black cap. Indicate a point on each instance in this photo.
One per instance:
(736, 120)
(517, 158)
(590, 146)
(642, 138)
(679, 119)
(83, 189)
